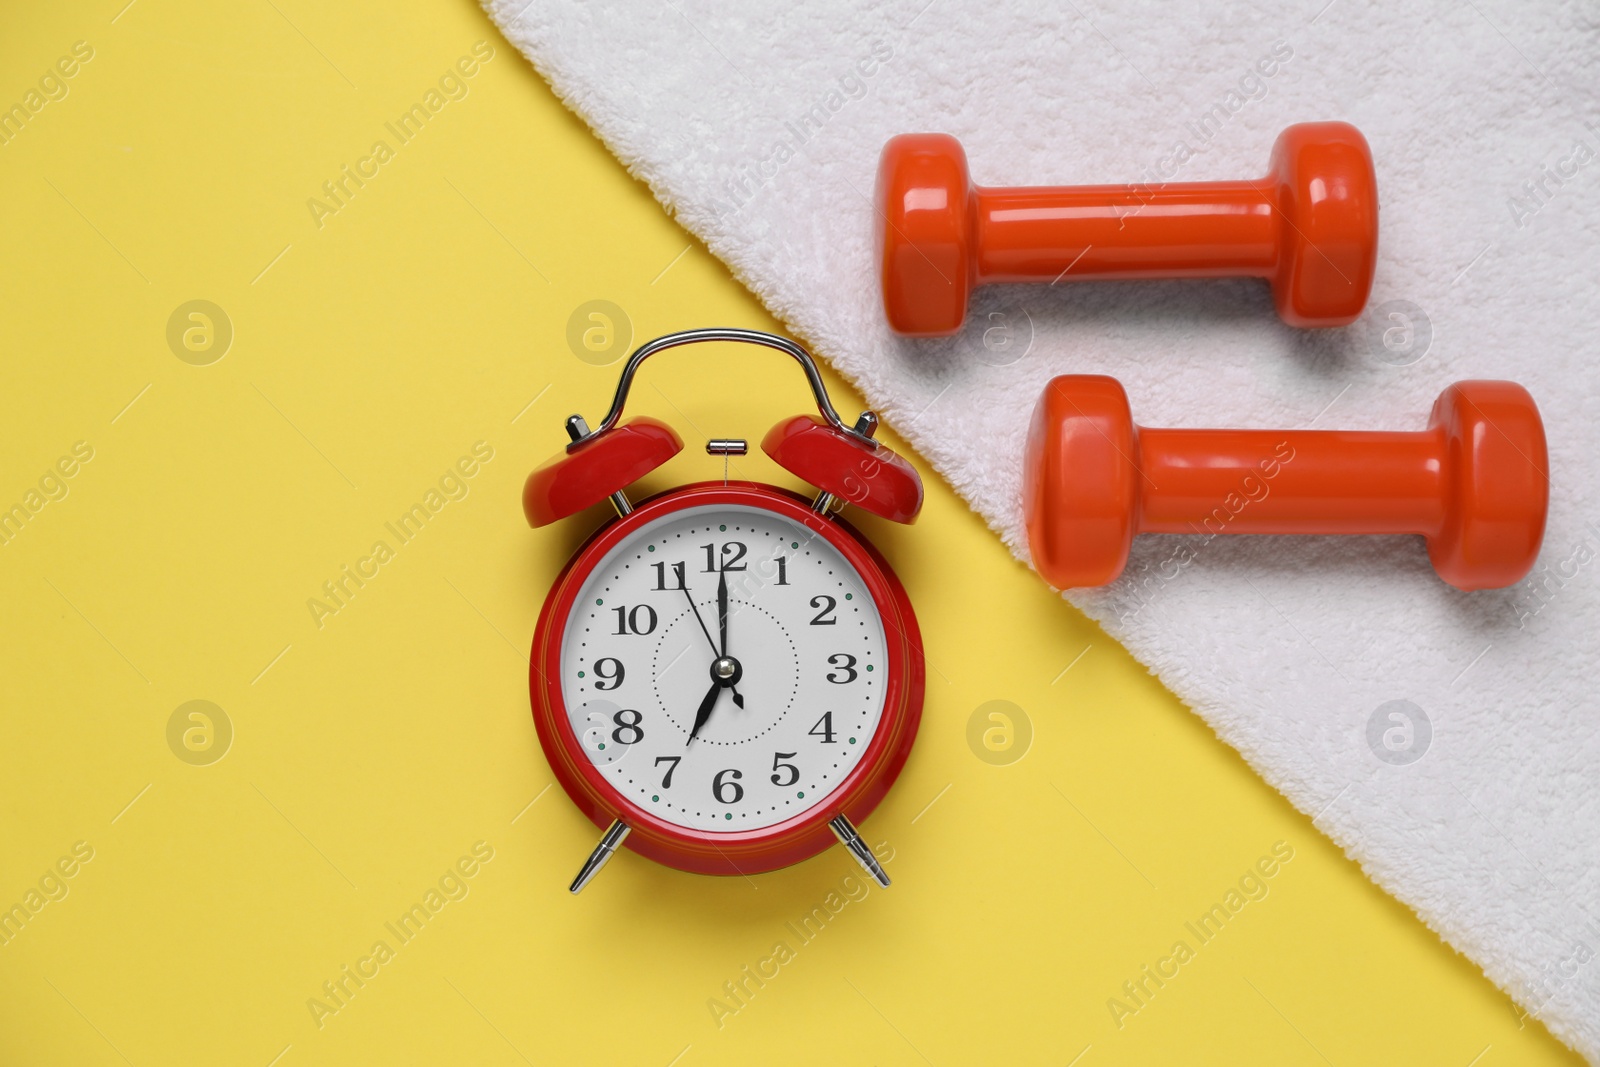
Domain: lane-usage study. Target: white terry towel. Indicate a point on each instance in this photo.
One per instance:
(759, 127)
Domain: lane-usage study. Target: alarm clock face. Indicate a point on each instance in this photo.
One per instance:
(784, 711)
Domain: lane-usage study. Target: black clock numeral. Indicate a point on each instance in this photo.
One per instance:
(846, 663)
(627, 725)
(783, 571)
(823, 728)
(725, 783)
(613, 675)
(825, 616)
(666, 783)
(732, 553)
(628, 620)
(778, 765)
(661, 577)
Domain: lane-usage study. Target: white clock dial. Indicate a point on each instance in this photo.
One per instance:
(805, 652)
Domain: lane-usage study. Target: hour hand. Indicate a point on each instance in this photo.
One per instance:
(704, 713)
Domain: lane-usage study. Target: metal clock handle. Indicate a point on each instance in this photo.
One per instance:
(859, 431)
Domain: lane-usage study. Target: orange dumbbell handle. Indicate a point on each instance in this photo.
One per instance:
(1291, 481)
(1193, 230)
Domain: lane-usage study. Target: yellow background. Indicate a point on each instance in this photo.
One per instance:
(369, 754)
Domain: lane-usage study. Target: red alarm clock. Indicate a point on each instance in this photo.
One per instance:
(726, 676)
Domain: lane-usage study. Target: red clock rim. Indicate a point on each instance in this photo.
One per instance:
(748, 851)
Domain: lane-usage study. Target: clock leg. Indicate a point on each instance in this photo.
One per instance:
(602, 853)
(846, 833)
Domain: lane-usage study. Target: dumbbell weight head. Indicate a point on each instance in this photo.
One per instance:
(924, 201)
(1080, 481)
(1497, 475)
(1326, 196)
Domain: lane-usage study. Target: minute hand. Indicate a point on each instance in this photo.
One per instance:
(722, 610)
(722, 625)
(696, 609)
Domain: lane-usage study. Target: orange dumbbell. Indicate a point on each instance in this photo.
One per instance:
(1310, 226)
(1474, 483)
